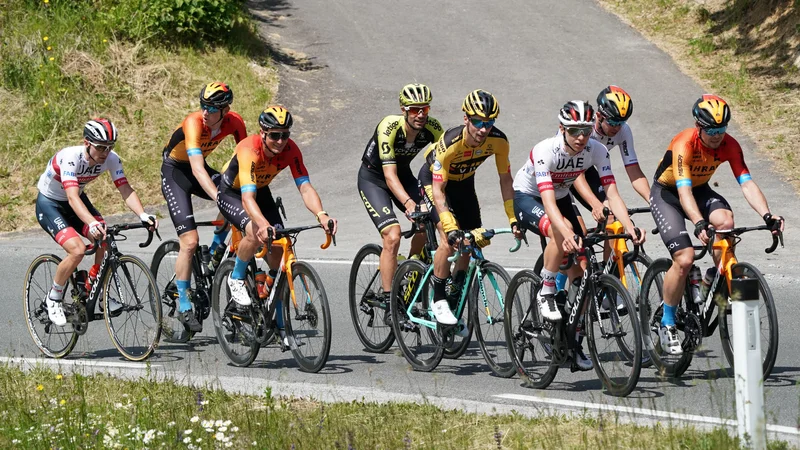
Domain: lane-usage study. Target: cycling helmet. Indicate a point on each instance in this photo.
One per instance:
(576, 113)
(216, 94)
(481, 103)
(100, 131)
(275, 116)
(711, 111)
(615, 104)
(415, 94)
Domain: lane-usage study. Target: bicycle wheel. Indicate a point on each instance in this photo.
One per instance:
(308, 318)
(421, 345)
(528, 336)
(634, 272)
(454, 345)
(236, 332)
(370, 319)
(163, 269)
(608, 334)
(136, 328)
(768, 318)
(650, 313)
(487, 297)
(53, 341)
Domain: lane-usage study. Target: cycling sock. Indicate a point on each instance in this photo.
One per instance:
(548, 282)
(183, 297)
(219, 239)
(561, 281)
(239, 269)
(668, 319)
(438, 288)
(279, 314)
(56, 292)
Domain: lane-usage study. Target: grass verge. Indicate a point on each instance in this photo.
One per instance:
(43, 409)
(63, 62)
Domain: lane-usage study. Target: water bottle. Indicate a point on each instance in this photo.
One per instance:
(694, 284)
(219, 252)
(572, 295)
(261, 284)
(708, 278)
(205, 259)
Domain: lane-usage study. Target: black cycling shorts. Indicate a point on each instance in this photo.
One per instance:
(178, 184)
(530, 213)
(60, 221)
(593, 178)
(230, 205)
(665, 206)
(460, 196)
(378, 198)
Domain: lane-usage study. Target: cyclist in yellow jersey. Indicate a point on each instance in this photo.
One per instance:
(680, 191)
(449, 184)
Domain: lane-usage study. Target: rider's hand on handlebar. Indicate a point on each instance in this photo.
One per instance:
(149, 221)
(262, 233)
(572, 244)
(701, 229)
(97, 230)
(518, 232)
(323, 219)
(454, 237)
(597, 213)
(774, 223)
(478, 238)
(639, 235)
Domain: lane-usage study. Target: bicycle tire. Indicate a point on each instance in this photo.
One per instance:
(163, 269)
(526, 330)
(235, 333)
(490, 327)
(38, 281)
(310, 326)
(650, 312)
(611, 365)
(635, 270)
(423, 357)
(370, 322)
(455, 346)
(767, 310)
(144, 316)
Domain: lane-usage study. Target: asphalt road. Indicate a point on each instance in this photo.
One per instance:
(342, 64)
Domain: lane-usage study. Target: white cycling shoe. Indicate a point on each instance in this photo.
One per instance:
(441, 310)
(239, 292)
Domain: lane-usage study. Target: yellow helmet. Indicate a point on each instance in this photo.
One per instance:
(216, 94)
(415, 94)
(275, 116)
(710, 111)
(481, 103)
(615, 104)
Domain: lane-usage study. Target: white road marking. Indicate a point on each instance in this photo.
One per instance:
(77, 362)
(641, 411)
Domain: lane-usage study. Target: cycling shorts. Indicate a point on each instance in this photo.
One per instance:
(593, 178)
(529, 210)
(178, 184)
(230, 205)
(460, 196)
(378, 198)
(665, 206)
(60, 221)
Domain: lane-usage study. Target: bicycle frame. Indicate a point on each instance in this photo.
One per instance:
(619, 248)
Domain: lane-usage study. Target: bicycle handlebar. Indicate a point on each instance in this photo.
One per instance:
(117, 229)
(488, 234)
(273, 234)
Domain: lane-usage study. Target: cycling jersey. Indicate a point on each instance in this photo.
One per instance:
(194, 138)
(624, 140)
(388, 145)
(550, 168)
(690, 163)
(450, 159)
(251, 169)
(70, 168)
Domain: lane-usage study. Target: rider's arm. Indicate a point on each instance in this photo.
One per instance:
(554, 214)
(755, 198)
(440, 169)
(602, 162)
(752, 193)
(503, 163)
(639, 181)
(69, 180)
(631, 162)
(307, 192)
(131, 199)
(681, 155)
(247, 158)
(386, 134)
(396, 187)
(75, 202)
(585, 191)
(193, 131)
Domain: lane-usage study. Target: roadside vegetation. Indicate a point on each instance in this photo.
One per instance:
(747, 51)
(140, 63)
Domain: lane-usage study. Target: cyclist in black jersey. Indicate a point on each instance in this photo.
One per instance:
(385, 176)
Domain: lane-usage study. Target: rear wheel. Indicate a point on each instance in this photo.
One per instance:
(53, 341)
(308, 318)
(163, 269)
(488, 317)
(135, 328)
(237, 332)
(370, 316)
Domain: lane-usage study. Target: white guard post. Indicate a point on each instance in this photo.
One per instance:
(752, 426)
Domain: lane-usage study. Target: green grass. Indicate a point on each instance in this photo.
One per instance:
(43, 409)
(66, 61)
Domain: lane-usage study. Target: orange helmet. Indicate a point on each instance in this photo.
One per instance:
(710, 111)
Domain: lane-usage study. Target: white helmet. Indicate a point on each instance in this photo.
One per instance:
(576, 113)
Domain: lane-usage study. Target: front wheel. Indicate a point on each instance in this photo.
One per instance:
(53, 341)
(307, 318)
(370, 316)
(488, 316)
(132, 308)
(631, 278)
(236, 330)
(768, 319)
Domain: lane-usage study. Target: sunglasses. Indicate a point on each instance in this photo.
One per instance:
(417, 110)
(614, 123)
(277, 135)
(103, 148)
(478, 123)
(210, 109)
(715, 131)
(579, 131)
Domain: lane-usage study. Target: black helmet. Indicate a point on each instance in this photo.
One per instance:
(710, 111)
(615, 104)
(216, 94)
(481, 103)
(100, 131)
(275, 116)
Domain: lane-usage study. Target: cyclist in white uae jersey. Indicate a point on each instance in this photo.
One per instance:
(543, 205)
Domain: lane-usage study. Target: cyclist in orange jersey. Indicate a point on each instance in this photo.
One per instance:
(185, 172)
(680, 191)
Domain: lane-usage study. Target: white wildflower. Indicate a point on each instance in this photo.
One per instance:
(235, 429)
(187, 440)
(219, 436)
(148, 436)
(187, 432)
(194, 419)
(222, 428)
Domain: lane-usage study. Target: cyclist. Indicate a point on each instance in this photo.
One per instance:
(246, 201)
(543, 205)
(385, 176)
(447, 177)
(65, 212)
(680, 191)
(185, 172)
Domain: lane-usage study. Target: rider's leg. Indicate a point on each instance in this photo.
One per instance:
(417, 243)
(675, 281)
(441, 270)
(721, 219)
(183, 267)
(219, 236)
(388, 262)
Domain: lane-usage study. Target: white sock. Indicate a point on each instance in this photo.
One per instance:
(548, 282)
(56, 292)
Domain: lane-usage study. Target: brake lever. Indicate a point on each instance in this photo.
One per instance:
(330, 231)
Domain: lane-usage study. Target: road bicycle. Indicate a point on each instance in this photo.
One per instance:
(135, 327)
(421, 339)
(298, 290)
(539, 346)
(696, 321)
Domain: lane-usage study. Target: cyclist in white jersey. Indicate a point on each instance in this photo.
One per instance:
(543, 205)
(65, 212)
